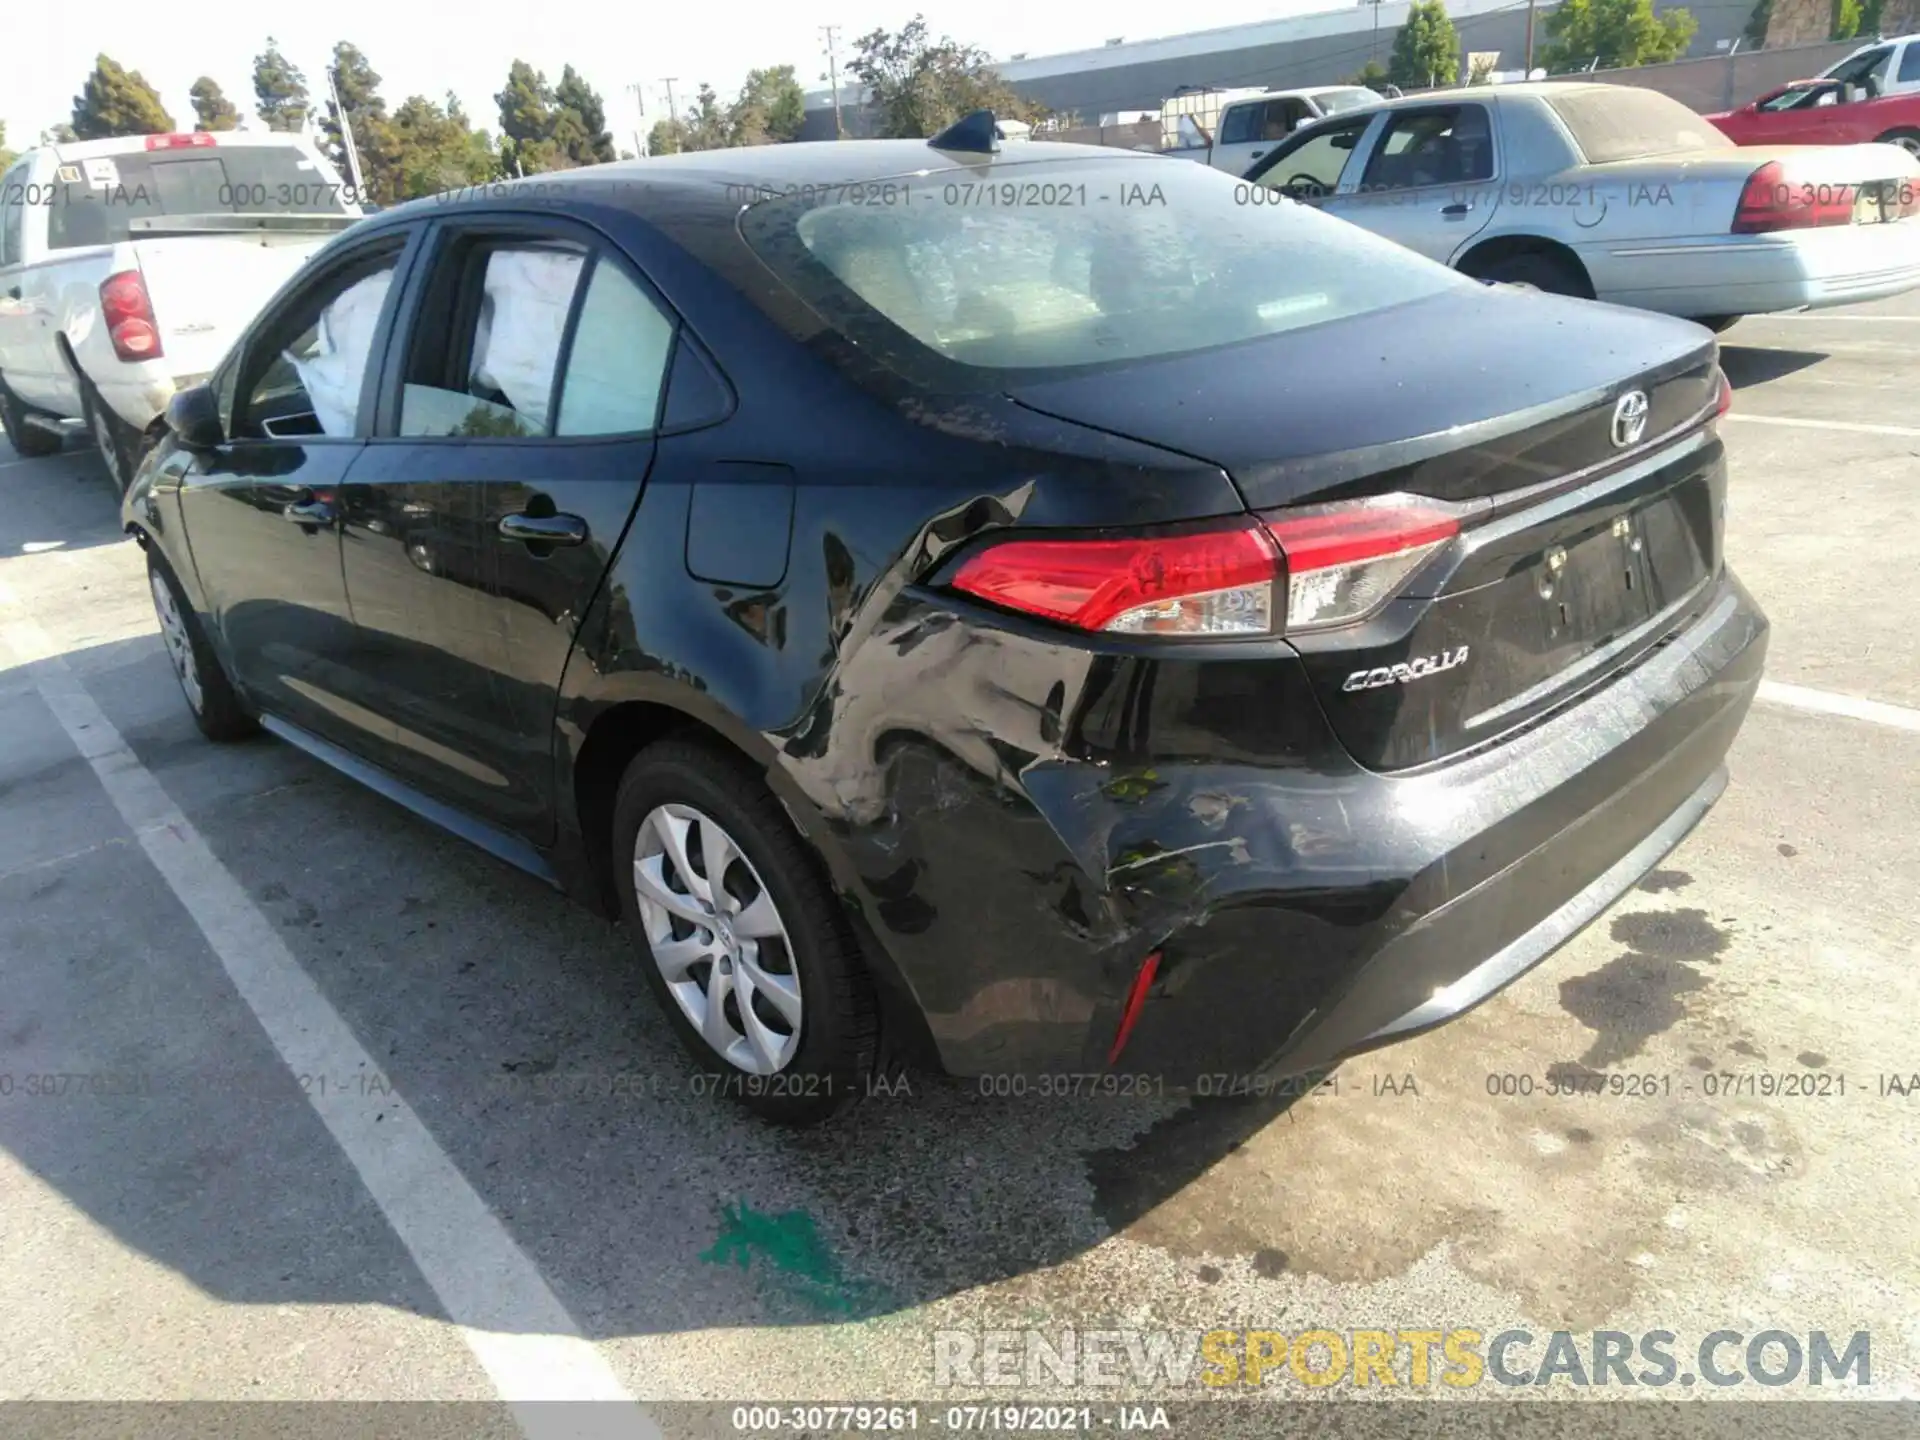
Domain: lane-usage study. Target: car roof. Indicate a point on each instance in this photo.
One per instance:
(1520, 89)
(795, 166)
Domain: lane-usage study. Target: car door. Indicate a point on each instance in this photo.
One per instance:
(1309, 167)
(1430, 179)
(516, 431)
(261, 510)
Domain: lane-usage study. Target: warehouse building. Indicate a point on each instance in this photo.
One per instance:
(1125, 77)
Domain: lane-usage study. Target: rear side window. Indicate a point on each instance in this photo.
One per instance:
(510, 345)
(94, 202)
(1621, 122)
(1910, 62)
(972, 278)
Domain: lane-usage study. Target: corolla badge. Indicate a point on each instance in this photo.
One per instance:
(1630, 418)
(1406, 672)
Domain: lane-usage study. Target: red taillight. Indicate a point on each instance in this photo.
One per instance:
(1723, 402)
(1775, 200)
(191, 141)
(1338, 564)
(1217, 581)
(1136, 997)
(129, 315)
(1345, 561)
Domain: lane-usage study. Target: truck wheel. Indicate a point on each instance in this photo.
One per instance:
(1907, 140)
(122, 448)
(30, 440)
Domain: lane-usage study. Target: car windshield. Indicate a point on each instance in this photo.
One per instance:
(1857, 68)
(95, 202)
(970, 278)
(1623, 122)
(1332, 102)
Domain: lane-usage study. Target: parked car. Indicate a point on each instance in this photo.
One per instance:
(1616, 193)
(128, 266)
(1884, 67)
(1026, 611)
(1825, 112)
(1229, 130)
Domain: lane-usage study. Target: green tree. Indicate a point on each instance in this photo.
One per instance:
(1755, 34)
(920, 86)
(279, 90)
(211, 105)
(7, 157)
(61, 134)
(1373, 75)
(707, 125)
(770, 109)
(1616, 32)
(435, 148)
(666, 137)
(527, 106)
(580, 121)
(1426, 51)
(1847, 17)
(358, 86)
(116, 101)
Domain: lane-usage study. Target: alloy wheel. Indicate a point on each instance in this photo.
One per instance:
(718, 937)
(173, 632)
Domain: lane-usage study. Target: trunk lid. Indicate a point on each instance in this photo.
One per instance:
(1577, 554)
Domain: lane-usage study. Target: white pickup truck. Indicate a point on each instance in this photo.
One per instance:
(1230, 129)
(128, 266)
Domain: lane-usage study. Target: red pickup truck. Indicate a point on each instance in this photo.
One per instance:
(1825, 112)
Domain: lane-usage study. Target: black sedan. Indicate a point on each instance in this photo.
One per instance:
(1020, 611)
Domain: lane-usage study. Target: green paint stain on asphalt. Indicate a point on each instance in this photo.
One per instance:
(793, 1257)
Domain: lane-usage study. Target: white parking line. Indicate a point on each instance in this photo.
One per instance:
(516, 1327)
(1826, 702)
(1797, 424)
(1827, 318)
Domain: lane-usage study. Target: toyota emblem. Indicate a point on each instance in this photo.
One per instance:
(1630, 418)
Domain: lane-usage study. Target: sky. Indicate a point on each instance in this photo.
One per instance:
(47, 47)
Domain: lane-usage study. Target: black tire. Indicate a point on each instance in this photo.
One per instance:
(834, 1061)
(216, 707)
(30, 441)
(1538, 270)
(121, 447)
(1907, 139)
(1719, 324)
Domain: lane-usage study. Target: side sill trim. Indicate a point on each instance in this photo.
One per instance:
(496, 842)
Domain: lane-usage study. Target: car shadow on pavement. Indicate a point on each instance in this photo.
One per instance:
(76, 513)
(520, 1030)
(1747, 365)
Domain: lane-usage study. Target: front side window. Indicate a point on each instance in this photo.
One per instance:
(1315, 163)
(305, 374)
(13, 211)
(976, 278)
(1448, 146)
(1910, 63)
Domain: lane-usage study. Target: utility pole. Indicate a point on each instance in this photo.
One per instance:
(833, 78)
(640, 109)
(1529, 71)
(346, 137)
(1374, 58)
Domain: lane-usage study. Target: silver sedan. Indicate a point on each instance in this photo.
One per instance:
(1614, 193)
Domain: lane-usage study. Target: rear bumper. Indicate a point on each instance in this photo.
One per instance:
(1305, 909)
(1757, 274)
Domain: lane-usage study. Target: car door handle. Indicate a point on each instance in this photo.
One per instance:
(1455, 211)
(544, 529)
(308, 512)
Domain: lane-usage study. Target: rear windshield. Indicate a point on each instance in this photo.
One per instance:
(970, 278)
(94, 202)
(1332, 102)
(1620, 122)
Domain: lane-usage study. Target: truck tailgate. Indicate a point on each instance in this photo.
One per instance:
(206, 289)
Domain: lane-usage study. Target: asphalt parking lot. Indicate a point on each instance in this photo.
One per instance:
(413, 1129)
